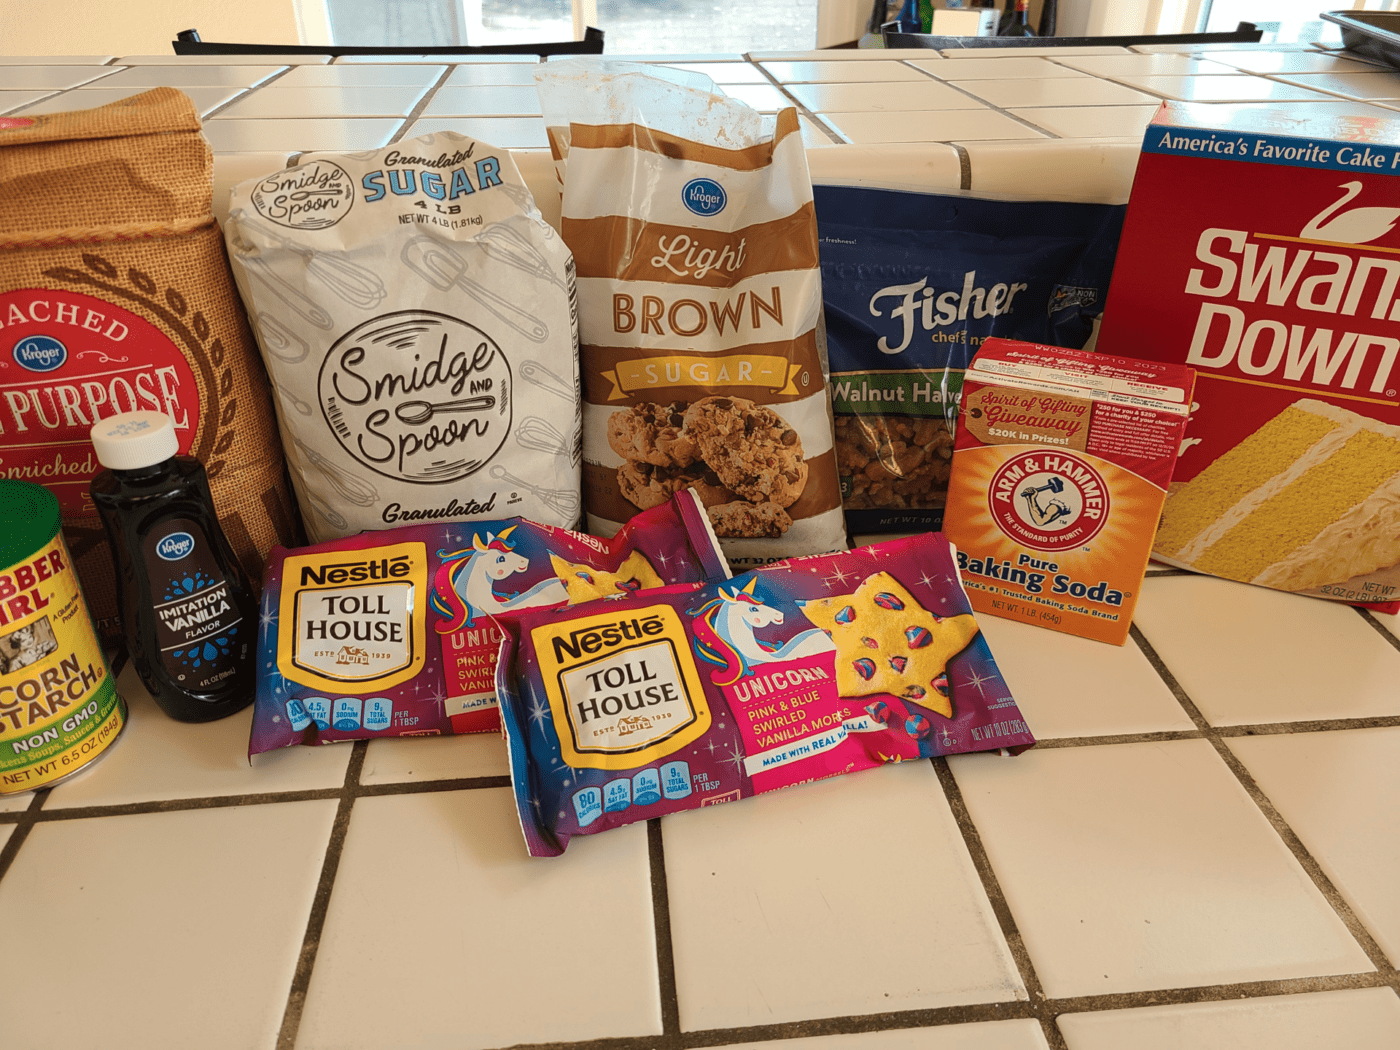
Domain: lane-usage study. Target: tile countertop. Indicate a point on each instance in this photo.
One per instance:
(1203, 851)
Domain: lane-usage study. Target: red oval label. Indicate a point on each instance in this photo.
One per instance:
(68, 360)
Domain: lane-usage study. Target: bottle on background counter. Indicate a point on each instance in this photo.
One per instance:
(189, 615)
(1016, 20)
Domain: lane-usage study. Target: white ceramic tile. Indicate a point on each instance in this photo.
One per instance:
(431, 60)
(970, 53)
(1358, 1019)
(1241, 88)
(1251, 655)
(193, 76)
(763, 97)
(1140, 866)
(951, 125)
(724, 72)
(158, 758)
(505, 132)
(520, 74)
(857, 98)
(842, 72)
(171, 924)
(1290, 62)
(1116, 66)
(205, 99)
(6, 830)
(1287, 119)
(927, 167)
(16, 803)
(670, 59)
(1090, 172)
(1345, 810)
(484, 100)
(1023, 1034)
(51, 78)
(363, 76)
(843, 55)
(1351, 85)
(1389, 621)
(440, 925)
(1067, 686)
(298, 135)
(55, 60)
(867, 873)
(995, 69)
(276, 101)
(817, 135)
(232, 168)
(435, 758)
(1091, 122)
(222, 60)
(14, 100)
(1064, 91)
(1212, 46)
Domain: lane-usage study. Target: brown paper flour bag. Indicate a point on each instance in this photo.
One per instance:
(115, 295)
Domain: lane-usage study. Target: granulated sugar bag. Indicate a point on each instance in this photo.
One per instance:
(418, 321)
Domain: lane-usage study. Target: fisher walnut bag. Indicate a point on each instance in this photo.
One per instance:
(115, 295)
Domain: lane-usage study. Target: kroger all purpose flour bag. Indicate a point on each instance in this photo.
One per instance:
(418, 322)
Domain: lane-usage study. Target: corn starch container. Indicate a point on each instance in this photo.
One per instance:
(59, 707)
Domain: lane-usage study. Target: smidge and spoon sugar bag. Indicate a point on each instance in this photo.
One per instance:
(393, 633)
(690, 217)
(623, 710)
(418, 321)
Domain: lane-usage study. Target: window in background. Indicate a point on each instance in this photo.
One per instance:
(1284, 21)
(632, 26)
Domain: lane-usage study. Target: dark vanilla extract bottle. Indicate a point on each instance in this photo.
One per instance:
(188, 612)
(1017, 20)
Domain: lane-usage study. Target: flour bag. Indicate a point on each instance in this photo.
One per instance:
(418, 322)
(703, 358)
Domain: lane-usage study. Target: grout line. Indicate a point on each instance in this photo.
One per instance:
(22, 829)
(1379, 628)
(964, 166)
(1281, 827)
(417, 111)
(174, 805)
(316, 920)
(836, 137)
(1226, 992)
(661, 921)
(1011, 933)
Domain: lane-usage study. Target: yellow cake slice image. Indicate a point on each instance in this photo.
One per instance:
(1310, 499)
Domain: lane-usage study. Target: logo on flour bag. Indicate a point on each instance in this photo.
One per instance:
(308, 197)
(40, 353)
(417, 396)
(704, 196)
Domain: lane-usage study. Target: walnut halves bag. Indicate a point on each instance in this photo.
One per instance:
(115, 295)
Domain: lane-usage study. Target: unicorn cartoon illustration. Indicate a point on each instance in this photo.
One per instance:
(724, 635)
(465, 586)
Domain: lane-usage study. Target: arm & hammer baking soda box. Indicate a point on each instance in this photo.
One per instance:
(1260, 248)
(1060, 469)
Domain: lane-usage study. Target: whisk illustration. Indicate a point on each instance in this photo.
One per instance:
(296, 402)
(445, 270)
(347, 486)
(540, 436)
(551, 381)
(510, 246)
(303, 307)
(280, 341)
(357, 285)
(562, 501)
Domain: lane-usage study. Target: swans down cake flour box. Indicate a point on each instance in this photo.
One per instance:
(1062, 463)
(1260, 248)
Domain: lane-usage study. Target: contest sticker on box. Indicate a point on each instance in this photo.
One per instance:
(1260, 248)
(1061, 467)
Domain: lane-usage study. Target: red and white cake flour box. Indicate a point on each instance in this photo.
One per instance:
(1060, 469)
(1260, 248)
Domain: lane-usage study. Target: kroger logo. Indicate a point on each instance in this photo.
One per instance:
(40, 353)
(175, 546)
(704, 196)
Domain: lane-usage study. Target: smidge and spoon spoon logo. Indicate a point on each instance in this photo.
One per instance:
(417, 396)
(175, 547)
(704, 196)
(40, 353)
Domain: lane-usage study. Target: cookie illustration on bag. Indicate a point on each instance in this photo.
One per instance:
(417, 317)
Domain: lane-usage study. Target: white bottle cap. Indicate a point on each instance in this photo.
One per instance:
(134, 440)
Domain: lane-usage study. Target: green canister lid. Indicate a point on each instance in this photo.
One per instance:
(29, 518)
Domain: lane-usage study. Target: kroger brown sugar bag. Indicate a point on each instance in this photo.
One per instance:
(115, 295)
(418, 321)
(704, 367)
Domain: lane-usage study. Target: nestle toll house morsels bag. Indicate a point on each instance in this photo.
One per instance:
(703, 358)
(1260, 248)
(115, 295)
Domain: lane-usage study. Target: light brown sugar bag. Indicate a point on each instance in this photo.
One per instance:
(115, 295)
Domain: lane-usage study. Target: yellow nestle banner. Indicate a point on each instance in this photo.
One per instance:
(728, 370)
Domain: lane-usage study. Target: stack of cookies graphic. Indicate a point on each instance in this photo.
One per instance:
(743, 461)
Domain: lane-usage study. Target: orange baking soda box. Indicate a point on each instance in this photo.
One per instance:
(1060, 469)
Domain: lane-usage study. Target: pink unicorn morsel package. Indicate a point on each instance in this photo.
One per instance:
(391, 633)
(678, 698)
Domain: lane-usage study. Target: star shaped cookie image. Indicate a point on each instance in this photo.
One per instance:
(886, 642)
(585, 583)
